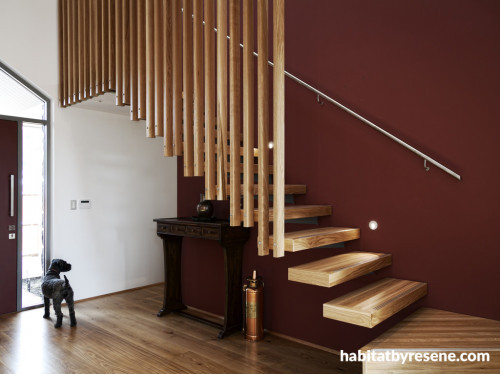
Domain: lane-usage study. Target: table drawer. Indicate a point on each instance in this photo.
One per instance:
(192, 230)
(178, 229)
(163, 228)
(209, 233)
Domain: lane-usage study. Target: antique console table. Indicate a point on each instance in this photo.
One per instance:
(232, 239)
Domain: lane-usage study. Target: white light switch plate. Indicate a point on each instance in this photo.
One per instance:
(12, 236)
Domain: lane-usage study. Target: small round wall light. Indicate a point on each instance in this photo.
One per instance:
(373, 225)
(271, 145)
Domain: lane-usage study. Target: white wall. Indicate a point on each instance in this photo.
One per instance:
(96, 155)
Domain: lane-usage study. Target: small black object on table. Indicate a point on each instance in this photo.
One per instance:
(232, 240)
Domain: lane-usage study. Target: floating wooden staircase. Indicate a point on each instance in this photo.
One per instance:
(162, 58)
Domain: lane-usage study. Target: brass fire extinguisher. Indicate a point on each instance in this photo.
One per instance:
(254, 301)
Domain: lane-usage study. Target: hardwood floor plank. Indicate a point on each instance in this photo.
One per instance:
(121, 333)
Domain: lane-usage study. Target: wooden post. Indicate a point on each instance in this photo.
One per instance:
(126, 51)
(105, 45)
(81, 60)
(221, 98)
(263, 125)
(76, 61)
(168, 140)
(158, 70)
(134, 73)
(62, 48)
(279, 127)
(119, 52)
(88, 42)
(150, 66)
(199, 164)
(69, 40)
(98, 47)
(187, 78)
(234, 111)
(210, 191)
(248, 113)
(177, 75)
(141, 57)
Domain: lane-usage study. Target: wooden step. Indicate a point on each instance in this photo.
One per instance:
(300, 240)
(374, 303)
(297, 211)
(329, 272)
(290, 189)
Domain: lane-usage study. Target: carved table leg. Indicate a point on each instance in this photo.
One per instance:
(233, 315)
(172, 297)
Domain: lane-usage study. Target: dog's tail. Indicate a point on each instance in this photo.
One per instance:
(66, 281)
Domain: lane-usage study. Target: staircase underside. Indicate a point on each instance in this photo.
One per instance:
(370, 305)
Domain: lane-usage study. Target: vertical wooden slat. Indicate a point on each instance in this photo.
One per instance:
(134, 91)
(150, 66)
(248, 113)
(87, 53)
(234, 111)
(76, 62)
(141, 56)
(187, 79)
(221, 98)
(111, 45)
(158, 67)
(168, 140)
(81, 64)
(62, 48)
(126, 52)
(177, 74)
(98, 47)
(199, 164)
(69, 41)
(279, 127)
(105, 45)
(119, 52)
(263, 125)
(91, 37)
(210, 191)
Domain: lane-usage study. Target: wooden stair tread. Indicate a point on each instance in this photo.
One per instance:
(290, 189)
(331, 271)
(318, 237)
(370, 305)
(297, 211)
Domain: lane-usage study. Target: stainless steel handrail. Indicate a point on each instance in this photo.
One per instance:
(364, 120)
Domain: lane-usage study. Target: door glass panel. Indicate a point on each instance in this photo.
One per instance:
(18, 101)
(33, 206)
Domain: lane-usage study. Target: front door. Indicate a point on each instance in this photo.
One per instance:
(8, 215)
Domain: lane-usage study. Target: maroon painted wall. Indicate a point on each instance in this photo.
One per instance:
(427, 71)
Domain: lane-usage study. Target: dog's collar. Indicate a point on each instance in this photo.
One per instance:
(52, 271)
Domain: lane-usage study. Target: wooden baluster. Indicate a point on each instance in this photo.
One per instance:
(221, 98)
(141, 56)
(134, 91)
(177, 75)
(158, 66)
(105, 45)
(263, 125)
(210, 191)
(88, 43)
(126, 51)
(98, 47)
(199, 164)
(187, 78)
(76, 61)
(150, 70)
(69, 41)
(234, 111)
(248, 113)
(119, 52)
(168, 140)
(111, 45)
(81, 52)
(279, 127)
(62, 50)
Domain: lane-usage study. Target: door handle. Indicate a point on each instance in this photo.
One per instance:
(12, 196)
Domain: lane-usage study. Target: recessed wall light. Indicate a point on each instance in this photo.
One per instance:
(373, 225)
(271, 145)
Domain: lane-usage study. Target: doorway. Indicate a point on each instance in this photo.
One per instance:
(24, 123)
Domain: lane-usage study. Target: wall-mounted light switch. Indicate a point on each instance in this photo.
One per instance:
(12, 236)
(72, 204)
(84, 204)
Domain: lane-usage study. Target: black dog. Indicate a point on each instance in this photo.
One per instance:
(53, 287)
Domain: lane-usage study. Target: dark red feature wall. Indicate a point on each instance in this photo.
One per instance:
(426, 71)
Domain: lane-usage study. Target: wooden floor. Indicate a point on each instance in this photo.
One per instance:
(121, 334)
